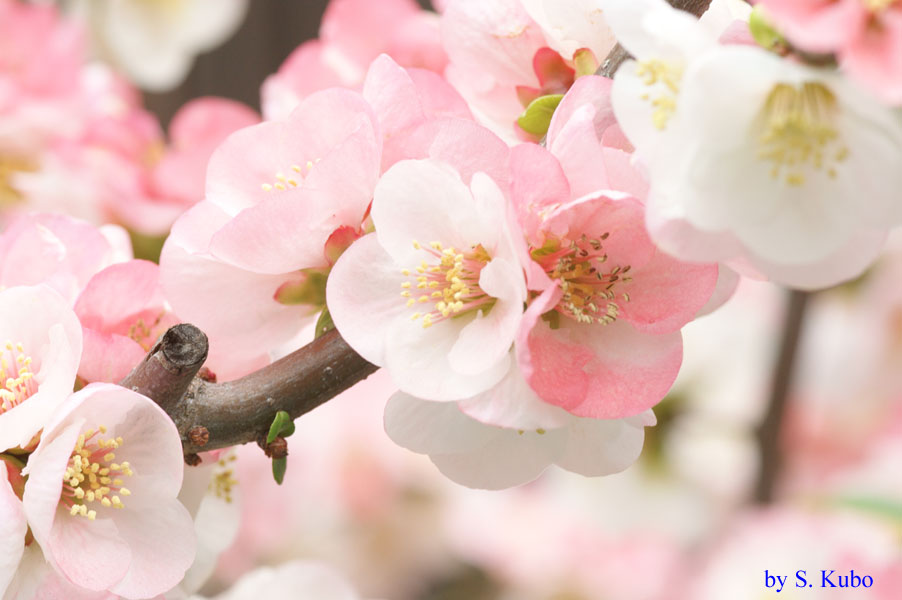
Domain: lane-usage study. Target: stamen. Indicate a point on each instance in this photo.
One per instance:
(451, 279)
(17, 382)
(91, 476)
(666, 76)
(588, 295)
(799, 133)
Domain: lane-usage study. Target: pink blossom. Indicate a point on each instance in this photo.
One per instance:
(479, 442)
(404, 100)
(122, 313)
(58, 251)
(866, 35)
(240, 250)
(12, 530)
(505, 54)
(353, 33)
(41, 346)
(604, 340)
(101, 494)
(443, 248)
(196, 130)
(40, 57)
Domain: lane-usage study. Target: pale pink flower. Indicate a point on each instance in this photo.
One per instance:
(40, 58)
(352, 34)
(291, 580)
(196, 130)
(212, 495)
(505, 54)
(101, 494)
(604, 340)
(240, 250)
(12, 530)
(436, 294)
(122, 313)
(786, 541)
(866, 35)
(58, 251)
(467, 445)
(404, 100)
(40, 346)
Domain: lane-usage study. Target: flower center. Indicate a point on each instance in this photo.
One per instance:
(92, 475)
(665, 76)
(143, 333)
(449, 280)
(588, 283)
(282, 181)
(223, 479)
(799, 132)
(17, 382)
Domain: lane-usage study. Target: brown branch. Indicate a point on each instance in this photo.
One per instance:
(210, 416)
(768, 433)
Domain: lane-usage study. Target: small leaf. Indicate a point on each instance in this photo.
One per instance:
(278, 469)
(324, 323)
(763, 32)
(537, 116)
(282, 425)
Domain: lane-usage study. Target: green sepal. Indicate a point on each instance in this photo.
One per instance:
(278, 469)
(537, 116)
(763, 31)
(282, 426)
(324, 323)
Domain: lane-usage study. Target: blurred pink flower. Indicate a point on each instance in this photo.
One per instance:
(101, 494)
(59, 251)
(866, 35)
(352, 34)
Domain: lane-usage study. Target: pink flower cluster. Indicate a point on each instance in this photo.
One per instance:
(88, 480)
(75, 139)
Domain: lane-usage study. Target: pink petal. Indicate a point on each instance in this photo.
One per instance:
(12, 530)
(665, 293)
(108, 357)
(363, 294)
(602, 372)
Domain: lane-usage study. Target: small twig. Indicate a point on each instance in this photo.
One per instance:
(210, 416)
(768, 433)
(169, 367)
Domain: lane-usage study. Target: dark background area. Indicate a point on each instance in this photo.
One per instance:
(236, 69)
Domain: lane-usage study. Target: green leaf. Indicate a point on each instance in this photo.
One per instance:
(764, 33)
(278, 469)
(282, 425)
(537, 116)
(323, 323)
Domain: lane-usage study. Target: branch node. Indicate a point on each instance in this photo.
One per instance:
(199, 435)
